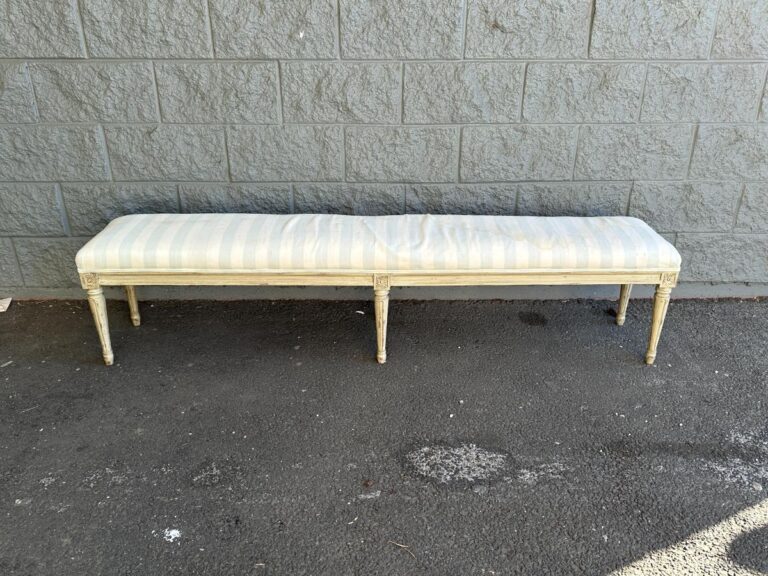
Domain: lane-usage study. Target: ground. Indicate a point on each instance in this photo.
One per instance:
(253, 438)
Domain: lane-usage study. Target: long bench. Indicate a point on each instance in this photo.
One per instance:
(375, 251)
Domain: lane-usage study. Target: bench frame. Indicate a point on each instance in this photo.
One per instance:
(381, 283)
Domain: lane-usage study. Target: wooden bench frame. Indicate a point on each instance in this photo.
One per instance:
(381, 283)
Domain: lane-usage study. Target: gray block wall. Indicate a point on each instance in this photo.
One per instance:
(651, 108)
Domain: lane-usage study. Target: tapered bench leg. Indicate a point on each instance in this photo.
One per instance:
(621, 313)
(660, 305)
(381, 309)
(99, 310)
(133, 305)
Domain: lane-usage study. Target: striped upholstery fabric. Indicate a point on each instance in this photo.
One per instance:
(410, 243)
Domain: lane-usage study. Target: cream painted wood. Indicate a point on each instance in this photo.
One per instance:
(99, 310)
(381, 283)
(660, 305)
(133, 305)
(621, 313)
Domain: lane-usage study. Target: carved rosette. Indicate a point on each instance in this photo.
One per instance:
(668, 280)
(89, 280)
(381, 282)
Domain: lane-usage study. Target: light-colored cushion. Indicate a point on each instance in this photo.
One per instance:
(318, 242)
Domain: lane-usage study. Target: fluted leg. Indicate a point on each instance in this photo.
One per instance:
(381, 308)
(133, 305)
(660, 305)
(99, 310)
(621, 313)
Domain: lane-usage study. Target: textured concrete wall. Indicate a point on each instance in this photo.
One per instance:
(653, 108)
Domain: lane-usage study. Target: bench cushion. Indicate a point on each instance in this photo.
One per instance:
(409, 243)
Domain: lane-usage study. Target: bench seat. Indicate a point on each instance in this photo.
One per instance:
(375, 244)
(377, 251)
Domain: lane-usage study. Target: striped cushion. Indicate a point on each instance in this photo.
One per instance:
(318, 242)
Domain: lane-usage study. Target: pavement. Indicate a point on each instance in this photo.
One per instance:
(501, 437)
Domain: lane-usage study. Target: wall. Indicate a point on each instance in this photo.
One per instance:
(644, 107)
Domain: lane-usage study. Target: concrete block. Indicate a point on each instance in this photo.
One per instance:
(686, 206)
(491, 199)
(733, 152)
(401, 29)
(543, 29)
(167, 152)
(274, 28)
(753, 212)
(49, 262)
(10, 274)
(52, 153)
(146, 28)
(573, 199)
(703, 92)
(17, 100)
(742, 30)
(359, 199)
(656, 29)
(286, 153)
(42, 29)
(95, 91)
(30, 210)
(650, 152)
(569, 92)
(462, 92)
(401, 154)
(236, 198)
(90, 207)
(517, 153)
(723, 257)
(341, 92)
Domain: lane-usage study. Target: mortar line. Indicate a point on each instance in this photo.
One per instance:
(179, 202)
(338, 28)
(18, 260)
(209, 20)
(292, 198)
(714, 29)
(344, 153)
(28, 68)
(280, 93)
(465, 24)
(402, 93)
(522, 95)
(107, 157)
(226, 153)
(576, 152)
(739, 202)
(693, 148)
(459, 138)
(642, 94)
(62, 208)
(158, 108)
(763, 97)
(590, 27)
(629, 197)
(81, 31)
(250, 60)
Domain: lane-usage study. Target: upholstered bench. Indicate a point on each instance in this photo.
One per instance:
(376, 251)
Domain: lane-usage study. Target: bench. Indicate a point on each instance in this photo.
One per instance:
(375, 251)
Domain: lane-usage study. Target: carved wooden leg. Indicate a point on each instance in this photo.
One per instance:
(99, 310)
(660, 305)
(381, 307)
(621, 313)
(133, 305)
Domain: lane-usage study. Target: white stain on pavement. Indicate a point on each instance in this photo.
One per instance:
(464, 463)
(704, 553)
(171, 534)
